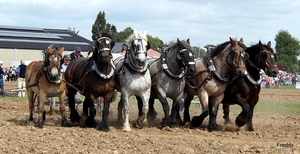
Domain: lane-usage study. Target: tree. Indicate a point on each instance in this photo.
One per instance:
(100, 25)
(199, 52)
(287, 49)
(154, 42)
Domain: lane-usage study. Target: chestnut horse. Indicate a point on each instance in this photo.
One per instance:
(244, 91)
(92, 77)
(212, 75)
(44, 79)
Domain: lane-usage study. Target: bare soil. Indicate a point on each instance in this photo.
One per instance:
(274, 133)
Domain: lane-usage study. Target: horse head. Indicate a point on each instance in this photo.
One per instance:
(237, 57)
(269, 59)
(52, 59)
(138, 47)
(185, 56)
(103, 46)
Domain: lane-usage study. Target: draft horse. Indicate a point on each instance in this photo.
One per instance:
(133, 77)
(92, 77)
(168, 73)
(244, 91)
(44, 79)
(213, 72)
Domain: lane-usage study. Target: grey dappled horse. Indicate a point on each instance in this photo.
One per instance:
(133, 77)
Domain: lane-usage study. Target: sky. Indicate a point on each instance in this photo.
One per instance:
(203, 22)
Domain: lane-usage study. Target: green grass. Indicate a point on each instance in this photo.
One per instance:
(290, 108)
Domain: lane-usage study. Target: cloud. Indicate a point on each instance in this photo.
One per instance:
(203, 22)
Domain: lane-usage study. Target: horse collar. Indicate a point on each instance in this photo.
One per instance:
(108, 76)
(164, 65)
(211, 67)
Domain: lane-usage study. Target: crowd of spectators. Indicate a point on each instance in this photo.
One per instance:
(282, 79)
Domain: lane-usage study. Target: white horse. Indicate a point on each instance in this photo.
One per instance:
(133, 77)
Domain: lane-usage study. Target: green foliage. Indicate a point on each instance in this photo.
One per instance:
(123, 35)
(287, 50)
(100, 25)
(154, 42)
(199, 52)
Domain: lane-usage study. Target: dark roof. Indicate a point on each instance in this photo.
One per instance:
(40, 38)
(118, 47)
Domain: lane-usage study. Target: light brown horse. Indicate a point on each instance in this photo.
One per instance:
(44, 79)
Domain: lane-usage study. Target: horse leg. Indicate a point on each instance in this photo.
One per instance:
(198, 120)
(213, 107)
(140, 105)
(107, 100)
(90, 120)
(151, 112)
(74, 116)
(166, 108)
(186, 112)
(226, 110)
(31, 100)
(41, 111)
(120, 110)
(242, 117)
(64, 122)
(249, 125)
(175, 111)
(142, 120)
(126, 111)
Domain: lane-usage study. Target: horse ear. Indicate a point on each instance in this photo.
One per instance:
(232, 42)
(61, 50)
(269, 44)
(135, 33)
(188, 41)
(260, 44)
(49, 49)
(242, 40)
(112, 43)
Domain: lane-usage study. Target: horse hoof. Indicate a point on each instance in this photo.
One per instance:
(65, 124)
(240, 121)
(90, 122)
(103, 128)
(30, 123)
(167, 128)
(197, 121)
(38, 125)
(152, 115)
(211, 128)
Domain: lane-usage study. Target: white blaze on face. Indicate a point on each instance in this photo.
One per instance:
(142, 50)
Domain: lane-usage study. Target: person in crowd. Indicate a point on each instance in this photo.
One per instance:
(2, 79)
(76, 53)
(21, 78)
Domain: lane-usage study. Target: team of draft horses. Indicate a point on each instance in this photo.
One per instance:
(230, 73)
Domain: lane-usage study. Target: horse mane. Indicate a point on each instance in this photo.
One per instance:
(131, 38)
(219, 48)
(174, 44)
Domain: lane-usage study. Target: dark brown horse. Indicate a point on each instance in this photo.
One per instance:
(44, 79)
(213, 73)
(92, 77)
(244, 91)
